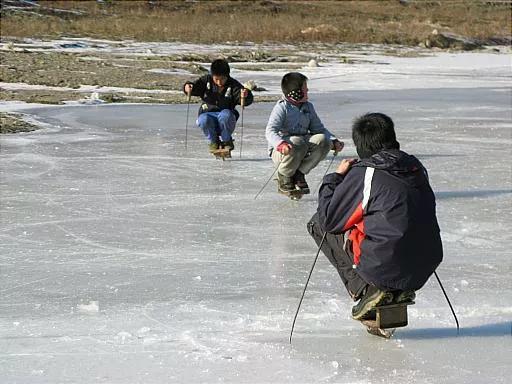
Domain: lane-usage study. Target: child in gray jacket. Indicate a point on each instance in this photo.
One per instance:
(297, 138)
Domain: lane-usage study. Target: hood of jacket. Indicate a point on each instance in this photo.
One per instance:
(399, 164)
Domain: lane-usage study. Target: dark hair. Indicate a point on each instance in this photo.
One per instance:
(220, 67)
(372, 133)
(292, 81)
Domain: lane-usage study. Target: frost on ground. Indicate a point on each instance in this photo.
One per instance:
(126, 258)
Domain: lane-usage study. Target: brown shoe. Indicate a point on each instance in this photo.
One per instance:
(300, 181)
(285, 183)
(228, 145)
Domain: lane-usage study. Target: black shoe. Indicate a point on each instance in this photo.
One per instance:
(228, 145)
(285, 183)
(372, 298)
(300, 181)
(404, 296)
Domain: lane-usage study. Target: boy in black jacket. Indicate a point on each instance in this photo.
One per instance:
(379, 214)
(220, 94)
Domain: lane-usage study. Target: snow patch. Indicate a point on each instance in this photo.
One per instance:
(92, 307)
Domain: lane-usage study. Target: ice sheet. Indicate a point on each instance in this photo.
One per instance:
(127, 259)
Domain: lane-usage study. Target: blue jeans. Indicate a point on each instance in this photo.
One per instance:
(215, 124)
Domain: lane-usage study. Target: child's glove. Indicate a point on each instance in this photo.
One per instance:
(337, 145)
(284, 148)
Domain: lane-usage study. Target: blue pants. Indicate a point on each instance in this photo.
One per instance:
(215, 124)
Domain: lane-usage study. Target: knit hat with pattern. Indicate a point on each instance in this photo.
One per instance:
(291, 85)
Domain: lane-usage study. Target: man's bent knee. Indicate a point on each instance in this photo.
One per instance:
(227, 115)
(298, 141)
(321, 140)
(205, 121)
(299, 146)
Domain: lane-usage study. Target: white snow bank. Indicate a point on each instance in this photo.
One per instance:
(82, 88)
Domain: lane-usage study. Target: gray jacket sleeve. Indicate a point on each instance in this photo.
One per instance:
(275, 125)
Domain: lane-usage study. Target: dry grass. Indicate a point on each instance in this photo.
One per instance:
(264, 20)
(13, 123)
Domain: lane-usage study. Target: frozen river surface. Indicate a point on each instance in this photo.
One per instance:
(127, 259)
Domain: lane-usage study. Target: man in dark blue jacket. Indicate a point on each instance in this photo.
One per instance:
(379, 214)
(220, 94)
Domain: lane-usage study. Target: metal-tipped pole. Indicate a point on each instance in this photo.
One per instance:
(325, 173)
(242, 104)
(186, 124)
(448, 300)
(270, 178)
(306, 285)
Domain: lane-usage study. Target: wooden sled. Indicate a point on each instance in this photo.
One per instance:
(222, 153)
